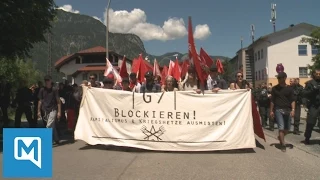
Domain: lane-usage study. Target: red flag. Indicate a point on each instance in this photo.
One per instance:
(164, 74)
(194, 54)
(123, 69)
(142, 69)
(176, 70)
(206, 57)
(156, 69)
(256, 120)
(135, 65)
(219, 66)
(170, 68)
(184, 68)
(111, 70)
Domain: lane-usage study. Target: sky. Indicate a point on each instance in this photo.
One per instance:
(218, 25)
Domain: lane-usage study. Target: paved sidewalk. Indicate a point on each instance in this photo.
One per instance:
(296, 140)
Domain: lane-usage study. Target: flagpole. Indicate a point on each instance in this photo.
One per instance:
(107, 31)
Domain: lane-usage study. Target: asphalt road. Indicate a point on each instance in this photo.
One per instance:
(76, 160)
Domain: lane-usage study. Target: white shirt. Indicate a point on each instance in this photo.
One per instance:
(211, 83)
(137, 88)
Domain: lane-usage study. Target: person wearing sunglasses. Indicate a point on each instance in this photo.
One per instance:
(312, 93)
(240, 83)
(93, 79)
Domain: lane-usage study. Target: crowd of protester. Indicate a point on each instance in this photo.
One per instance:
(278, 104)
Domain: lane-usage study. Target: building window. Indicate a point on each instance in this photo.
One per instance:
(261, 53)
(78, 60)
(259, 78)
(85, 76)
(258, 55)
(303, 72)
(302, 50)
(255, 56)
(262, 75)
(314, 50)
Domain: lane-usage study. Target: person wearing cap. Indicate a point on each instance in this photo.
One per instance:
(49, 106)
(149, 86)
(282, 107)
(214, 82)
(134, 84)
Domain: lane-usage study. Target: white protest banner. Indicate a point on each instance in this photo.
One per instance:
(170, 121)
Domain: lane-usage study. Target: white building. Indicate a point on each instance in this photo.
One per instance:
(284, 47)
(78, 66)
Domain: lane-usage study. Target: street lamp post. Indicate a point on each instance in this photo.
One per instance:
(107, 31)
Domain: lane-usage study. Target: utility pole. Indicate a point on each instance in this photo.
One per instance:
(252, 32)
(107, 31)
(273, 16)
(49, 62)
(241, 41)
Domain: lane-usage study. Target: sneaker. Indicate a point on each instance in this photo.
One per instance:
(56, 142)
(283, 148)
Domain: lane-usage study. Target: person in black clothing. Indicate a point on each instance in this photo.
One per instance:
(63, 94)
(5, 93)
(36, 100)
(297, 89)
(312, 93)
(23, 100)
(282, 106)
(149, 86)
(263, 99)
(72, 106)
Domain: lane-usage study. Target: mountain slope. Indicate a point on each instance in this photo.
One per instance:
(74, 32)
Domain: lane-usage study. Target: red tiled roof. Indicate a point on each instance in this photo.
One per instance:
(92, 68)
(64, 59)
(95, 68)
(98, 49)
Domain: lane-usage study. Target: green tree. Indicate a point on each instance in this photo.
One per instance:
(314, 40)
(23, 23)
(16, 70)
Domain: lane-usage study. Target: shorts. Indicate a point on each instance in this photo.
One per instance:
(283, 120)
